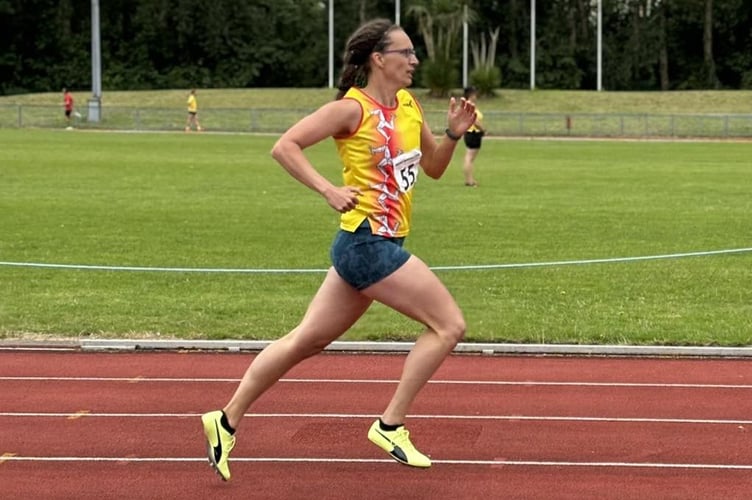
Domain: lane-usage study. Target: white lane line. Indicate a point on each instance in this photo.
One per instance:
(524, 383)
(496, 463)
(356, 416)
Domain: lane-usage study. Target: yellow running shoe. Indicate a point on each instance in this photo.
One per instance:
(220, 443)
(397, 444)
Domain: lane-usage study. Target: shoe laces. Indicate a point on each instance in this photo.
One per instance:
(402, 438)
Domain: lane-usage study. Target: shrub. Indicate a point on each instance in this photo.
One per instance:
(486, 80)
(439, 76)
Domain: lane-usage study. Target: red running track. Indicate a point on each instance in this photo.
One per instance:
(125, 425)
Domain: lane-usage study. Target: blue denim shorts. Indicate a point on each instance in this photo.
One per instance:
(362, 258)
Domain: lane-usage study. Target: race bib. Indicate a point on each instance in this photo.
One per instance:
(406, 168)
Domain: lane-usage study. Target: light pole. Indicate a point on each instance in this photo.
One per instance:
(464, 47)
(532, 44)
(95, 102)
(600, 46)
(331, 44)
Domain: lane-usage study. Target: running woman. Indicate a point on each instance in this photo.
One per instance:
(384, 143)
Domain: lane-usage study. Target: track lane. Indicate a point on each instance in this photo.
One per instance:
(274, 481)
(345, 438)
(143, 396)
(500, 448)
(379, 366)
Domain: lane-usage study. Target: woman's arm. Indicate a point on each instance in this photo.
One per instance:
(437, 155)
(336, 118)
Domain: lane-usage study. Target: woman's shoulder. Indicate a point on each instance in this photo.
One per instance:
(404, 95)
(406, 99)
(347, 112)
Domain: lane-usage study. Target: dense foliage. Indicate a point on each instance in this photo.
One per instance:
(647, 44)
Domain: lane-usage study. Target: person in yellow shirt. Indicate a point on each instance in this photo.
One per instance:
(384, 143)
(192, 120)
(473, 138)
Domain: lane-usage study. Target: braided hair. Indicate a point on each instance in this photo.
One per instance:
(368, 38)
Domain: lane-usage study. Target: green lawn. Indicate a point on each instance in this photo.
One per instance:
(175, 200)
(512, 113)
(506, 100)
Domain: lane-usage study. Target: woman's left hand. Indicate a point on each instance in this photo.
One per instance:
(461, 115)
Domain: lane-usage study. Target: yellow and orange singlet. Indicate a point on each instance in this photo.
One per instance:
(192, 104)
(382, 158)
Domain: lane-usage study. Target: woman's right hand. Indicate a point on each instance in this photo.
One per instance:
(342, 199)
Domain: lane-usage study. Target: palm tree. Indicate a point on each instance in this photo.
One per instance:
(439, 23)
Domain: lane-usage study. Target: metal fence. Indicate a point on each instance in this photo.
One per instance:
(276, 120)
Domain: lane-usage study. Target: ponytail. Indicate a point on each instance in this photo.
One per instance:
(352, 75)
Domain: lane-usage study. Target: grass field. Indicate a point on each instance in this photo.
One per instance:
(219, 202)
(512, 113)
(506, 100)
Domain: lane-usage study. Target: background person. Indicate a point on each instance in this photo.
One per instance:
(67, 107)
(473, 138)
(383, 141)
(192, 120)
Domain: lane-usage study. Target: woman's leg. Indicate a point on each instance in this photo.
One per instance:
(334, 309)
(468, 166)
(414, 290)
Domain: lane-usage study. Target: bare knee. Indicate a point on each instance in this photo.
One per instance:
(453, 331)
(305, 346)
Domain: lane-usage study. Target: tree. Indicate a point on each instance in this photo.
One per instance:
(647, 44)
(707, 44)
(560, 41)
(439, 23)
(486, 75)
(662, 47)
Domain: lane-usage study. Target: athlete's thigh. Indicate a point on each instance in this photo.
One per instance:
(415, 291)
(335, 308)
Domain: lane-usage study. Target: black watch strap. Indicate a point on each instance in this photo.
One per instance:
(451, 135)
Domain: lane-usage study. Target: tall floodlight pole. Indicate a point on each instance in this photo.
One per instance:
(600, 45)
(532, 44)
(464, 47)
(96, 66)
(331, 44)
(397, 10)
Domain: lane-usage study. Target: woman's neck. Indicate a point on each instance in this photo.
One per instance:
(383, 94)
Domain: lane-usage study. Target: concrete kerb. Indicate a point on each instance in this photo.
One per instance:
(382, 347)
(403, 347)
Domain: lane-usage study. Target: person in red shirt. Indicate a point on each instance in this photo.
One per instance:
(67, 105)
